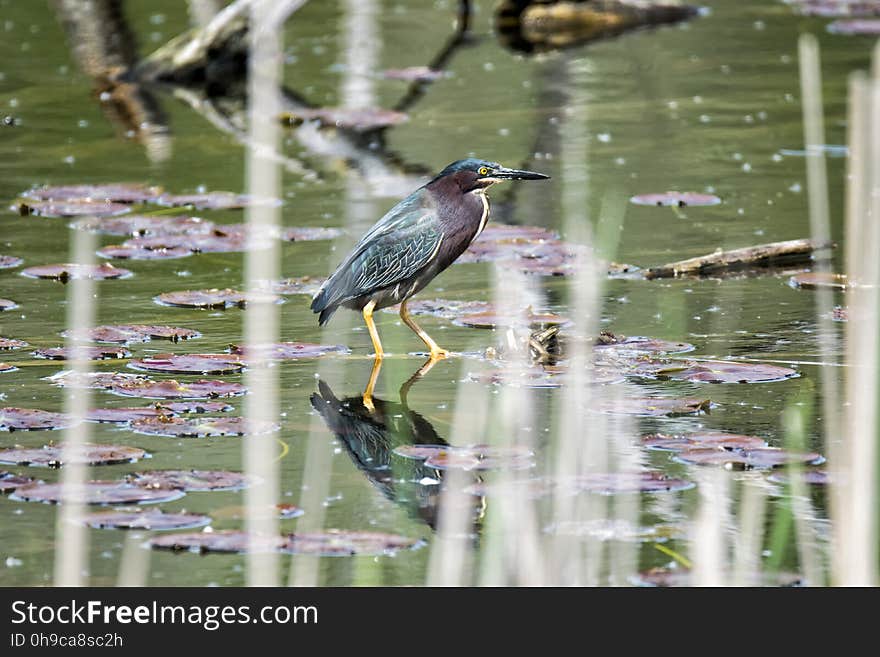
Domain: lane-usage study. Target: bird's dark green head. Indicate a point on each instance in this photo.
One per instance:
(474, 174)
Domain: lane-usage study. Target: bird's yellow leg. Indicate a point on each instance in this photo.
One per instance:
(374, 376)
(371, 327)
(436, 350)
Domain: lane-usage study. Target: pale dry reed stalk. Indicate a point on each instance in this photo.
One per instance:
(71, 535)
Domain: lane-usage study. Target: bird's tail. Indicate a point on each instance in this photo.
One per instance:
(322, 303)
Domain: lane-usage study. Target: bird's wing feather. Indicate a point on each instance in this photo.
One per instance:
(393, 250)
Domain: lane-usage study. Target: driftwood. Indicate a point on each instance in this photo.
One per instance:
(762, 255)
(536, 25)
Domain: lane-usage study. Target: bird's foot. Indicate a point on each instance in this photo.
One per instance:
(438, 353)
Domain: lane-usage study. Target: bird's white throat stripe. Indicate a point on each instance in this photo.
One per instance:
(485, 218)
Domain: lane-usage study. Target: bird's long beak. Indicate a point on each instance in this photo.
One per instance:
(517, 174)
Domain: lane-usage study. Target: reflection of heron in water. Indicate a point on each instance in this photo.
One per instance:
(370, 430)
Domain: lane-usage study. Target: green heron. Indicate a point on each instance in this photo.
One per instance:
(416, 240)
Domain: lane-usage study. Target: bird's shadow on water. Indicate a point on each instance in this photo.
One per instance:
(370, 429)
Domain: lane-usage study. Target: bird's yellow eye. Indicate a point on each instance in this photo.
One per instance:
(483, 171)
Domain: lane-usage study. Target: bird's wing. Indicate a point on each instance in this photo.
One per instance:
(392, 251)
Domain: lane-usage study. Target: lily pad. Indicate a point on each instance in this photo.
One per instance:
(419, 452)
(732, 372)
(190, 480)
(759, 457)
(110, 193)
(359, 120)
(302, 285)
(71, 208)
(681, 577)
(837, 8)
(8, 262)
(240, 512)
(676, 199)
(414, 74)
(143, 519)
(212, 298)
(345, 543)
(544, 376)
(294, 350)
(812, 477)
(125, 415)
(139, 225)
(614, 483)
(10, 481)
(214, 201)
(8, 344)
(175, 390)
(96, 492)
(66, 272)
(701, 439)
(234, 542)
(129, 252)
(609, 342)
(98, 380)
(178, 427)
(475, 457)
(309, 234)
(491, 319)
(855, 27)
(444, 308)
(128, 333)
(609, 529)
(7, 304)
(214, 242)
(513, 234)
(52, 456)
(814, 280)
(6, 367)
(654, 406)
(32, 419)
(90, 353)
(189, 363)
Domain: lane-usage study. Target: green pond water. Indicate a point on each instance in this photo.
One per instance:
(706, 106)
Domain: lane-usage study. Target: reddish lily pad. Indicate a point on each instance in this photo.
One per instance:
(445, 308)
(302, 285)
(345, 543)
(419, 452)
(701, 439)
(512, 234)
(130, 252)
(8, 262)
(8, 344)
(167, 409)
(175, 390)
(759, 457)
(66, 272)
(544, 376)
(654, 406)
(189, 363)
(814, 280)
(89, 353)
(613, 483)
(239, 512)
(139, 225)
(676, 199)
(608, 529)
(214, 201)
(109, 193)
(208, 427)
(681, 577)
(414, 74)
(837, 8)
(215, 242)
(128, 333)
(224, 542)
(294, 350)
(191, 480)
(7, 304)
(732, 372)
(475, 457)
(609, 342)
(493, 319)
(212, 298)
(856, 27)
(98, 380)
(147, 520)
(10, 481)
(812, 477)
(32, 419)
(309, 234)
(53, 456)
(71, 208)
(360, 120)
(96, 492)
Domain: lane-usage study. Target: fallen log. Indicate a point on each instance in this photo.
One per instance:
(762, 255)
